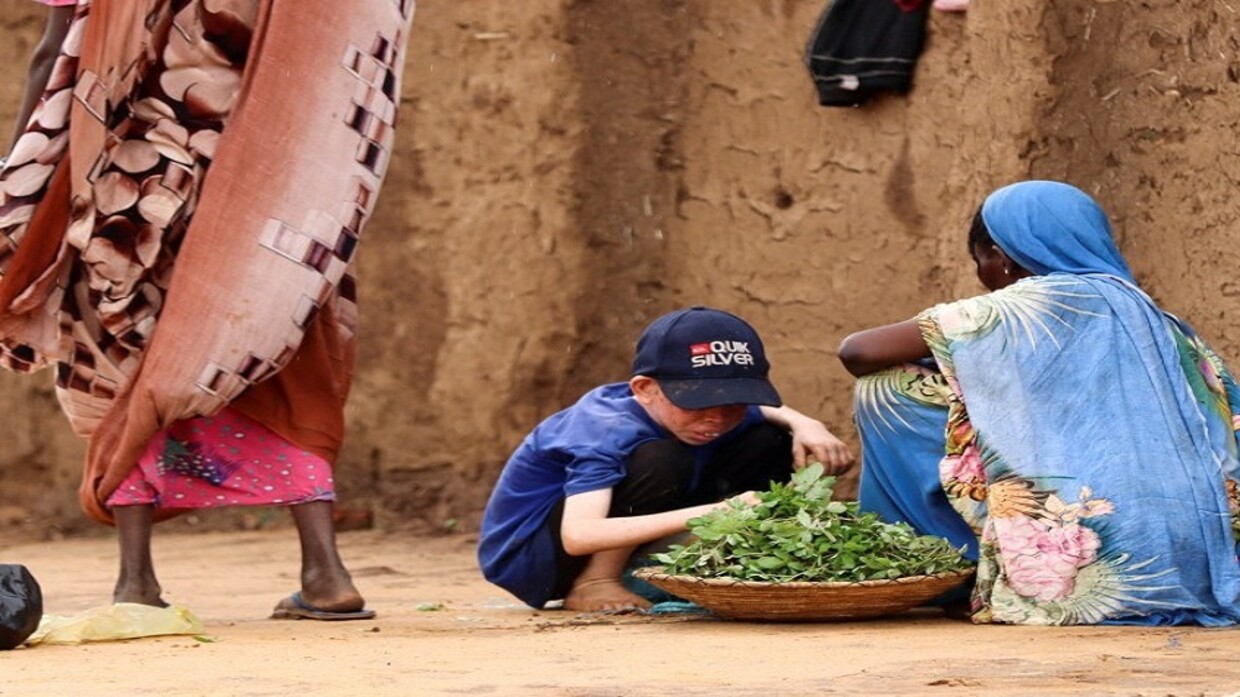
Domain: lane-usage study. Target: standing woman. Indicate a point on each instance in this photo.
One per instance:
(180, 214)
(1079, 440)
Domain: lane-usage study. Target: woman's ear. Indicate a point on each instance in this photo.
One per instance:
(644, 388)
(1011, 269)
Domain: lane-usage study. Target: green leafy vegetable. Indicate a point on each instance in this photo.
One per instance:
(798, 533)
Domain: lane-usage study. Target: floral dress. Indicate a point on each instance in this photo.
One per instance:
(1078, 441)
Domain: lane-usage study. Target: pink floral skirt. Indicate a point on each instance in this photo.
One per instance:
(224, 460)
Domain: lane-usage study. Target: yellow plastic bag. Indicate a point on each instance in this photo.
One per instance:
(114, 623)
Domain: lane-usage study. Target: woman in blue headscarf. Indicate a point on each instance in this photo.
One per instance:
(1078, 440)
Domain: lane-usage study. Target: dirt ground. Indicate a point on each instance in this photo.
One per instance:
(441, 629)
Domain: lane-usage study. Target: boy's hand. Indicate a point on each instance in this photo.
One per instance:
(749, 498)
(812, 442)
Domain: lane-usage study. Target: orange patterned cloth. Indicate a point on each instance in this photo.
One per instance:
(181, 216)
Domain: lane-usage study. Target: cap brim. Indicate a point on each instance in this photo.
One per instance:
(717, 392)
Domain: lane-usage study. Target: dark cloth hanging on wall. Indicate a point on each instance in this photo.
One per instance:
(861, 47)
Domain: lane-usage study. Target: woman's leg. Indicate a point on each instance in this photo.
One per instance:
(325, 583)
(901, 426)
(136, 582)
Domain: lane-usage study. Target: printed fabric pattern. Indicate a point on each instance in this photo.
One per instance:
(151, 152)
(1089, 438)
(1094, 497)
(224, 460)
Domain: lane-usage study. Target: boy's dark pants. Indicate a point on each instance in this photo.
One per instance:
(661, 478)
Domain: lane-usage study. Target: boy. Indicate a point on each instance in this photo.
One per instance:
(631, 463)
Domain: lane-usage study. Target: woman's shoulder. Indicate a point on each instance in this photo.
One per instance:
(1055, 285)
(1034, 302)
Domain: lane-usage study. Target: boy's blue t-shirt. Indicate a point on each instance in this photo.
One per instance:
(580, 449)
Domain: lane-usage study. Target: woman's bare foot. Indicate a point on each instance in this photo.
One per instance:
(142, 593)
(335, 593)
(602, 595)
(325, 583)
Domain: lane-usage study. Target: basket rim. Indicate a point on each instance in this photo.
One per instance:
(647, 573)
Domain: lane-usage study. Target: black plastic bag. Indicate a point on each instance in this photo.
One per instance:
(21, 605)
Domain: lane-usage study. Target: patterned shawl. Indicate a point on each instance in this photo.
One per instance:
(259, 219)
(1090, 437)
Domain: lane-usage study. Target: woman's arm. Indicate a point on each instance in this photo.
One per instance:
(811, 440)
(58, 19)
(872, 350)
(586, 529)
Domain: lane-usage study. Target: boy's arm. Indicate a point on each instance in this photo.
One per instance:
(811, 441)
(586, 529)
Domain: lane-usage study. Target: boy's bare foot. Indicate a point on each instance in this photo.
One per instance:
(603, 595)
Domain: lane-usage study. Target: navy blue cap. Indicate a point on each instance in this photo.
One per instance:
(705, 358)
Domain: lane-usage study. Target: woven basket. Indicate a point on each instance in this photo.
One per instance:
(802, 601)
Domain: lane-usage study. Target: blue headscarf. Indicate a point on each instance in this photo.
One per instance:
(1049, 227)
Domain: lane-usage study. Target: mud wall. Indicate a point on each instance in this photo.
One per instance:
(569, 169)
